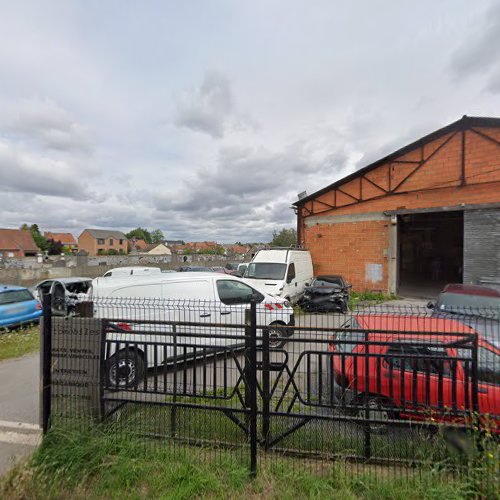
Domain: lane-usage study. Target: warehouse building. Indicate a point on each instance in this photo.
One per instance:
(425, 215)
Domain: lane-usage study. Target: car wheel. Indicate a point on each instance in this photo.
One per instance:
(125, 369)
(378, 410)
(276, 335)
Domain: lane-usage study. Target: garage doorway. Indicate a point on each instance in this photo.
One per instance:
(430, 252)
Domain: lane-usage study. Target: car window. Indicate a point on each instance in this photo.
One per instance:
(488, 366)
(291, 273)
(79, 287)
(235, 292)
(13, 296)
(347, 335)
(423, 359)
(327, 282)
(265, 271)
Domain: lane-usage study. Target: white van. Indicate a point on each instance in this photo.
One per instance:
(281, 272)
(153, 305)
(132, 271)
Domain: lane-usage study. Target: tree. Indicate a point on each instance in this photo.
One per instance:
(285, 238)
(140, 234)
(157, 236)
(54, 247)
(41, 242)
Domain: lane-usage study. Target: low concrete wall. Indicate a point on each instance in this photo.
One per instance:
(29, 271)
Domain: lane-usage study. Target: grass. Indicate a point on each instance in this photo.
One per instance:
(15, 343)
(100, 464)
(369, 298)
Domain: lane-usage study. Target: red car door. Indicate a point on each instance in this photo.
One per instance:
(488, 375)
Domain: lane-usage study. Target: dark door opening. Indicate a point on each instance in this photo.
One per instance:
(430, 252)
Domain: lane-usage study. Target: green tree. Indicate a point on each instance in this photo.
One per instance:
(285, 238)
(41, 241)
(139, 234)
(157, 236)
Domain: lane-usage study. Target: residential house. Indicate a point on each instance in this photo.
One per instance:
(101, 241)
(17, 243)
(236, 249)
(197, 246)
(157, 249)
(66, 239)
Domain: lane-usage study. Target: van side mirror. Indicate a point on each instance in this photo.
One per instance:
(430, 305)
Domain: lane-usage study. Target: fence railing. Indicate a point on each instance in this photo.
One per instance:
(378, 385)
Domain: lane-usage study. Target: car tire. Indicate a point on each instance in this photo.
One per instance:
(276, 339)
(125, 369)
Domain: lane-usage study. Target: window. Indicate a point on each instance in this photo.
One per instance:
(488, 369)
(100, 241)
(15, 296)
(121, 242)
(110, 242)
(233, 292)
(265, 271)
(422, 359)
(291, 273)
(348, 336)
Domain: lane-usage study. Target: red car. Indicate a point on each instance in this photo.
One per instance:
(416, 367)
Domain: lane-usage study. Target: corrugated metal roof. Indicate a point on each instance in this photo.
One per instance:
(466, 122)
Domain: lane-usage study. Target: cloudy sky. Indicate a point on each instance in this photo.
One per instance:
(206, 118)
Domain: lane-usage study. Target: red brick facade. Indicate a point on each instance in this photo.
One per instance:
(455, 166)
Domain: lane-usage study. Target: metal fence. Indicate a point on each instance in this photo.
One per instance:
(381, 385)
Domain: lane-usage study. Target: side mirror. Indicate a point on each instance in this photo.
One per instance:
(306, 284)
(430, 305)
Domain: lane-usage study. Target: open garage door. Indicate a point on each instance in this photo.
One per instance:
(430, 252)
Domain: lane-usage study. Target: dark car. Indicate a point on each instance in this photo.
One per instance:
(475, 305)
(326, 293)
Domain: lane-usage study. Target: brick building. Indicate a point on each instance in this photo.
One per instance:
(425, 215)
(101, 241)
(17, 243)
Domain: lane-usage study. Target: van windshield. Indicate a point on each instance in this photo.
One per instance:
(265, 271)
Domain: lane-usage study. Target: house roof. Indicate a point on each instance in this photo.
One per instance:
(106, 233)
(466, 122)
(151, 246)
(64, 238)
(139, 244)
(17, 239)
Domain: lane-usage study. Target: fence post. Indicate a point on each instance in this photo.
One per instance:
(367, 426)
(251, 379)
(265, 388)
(46, 332)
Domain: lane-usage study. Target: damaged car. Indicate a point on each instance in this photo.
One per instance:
(326, 294)
(66, 293)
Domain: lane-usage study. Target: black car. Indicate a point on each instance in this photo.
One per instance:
(326, 293)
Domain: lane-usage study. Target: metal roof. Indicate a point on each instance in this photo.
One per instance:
(466, 122)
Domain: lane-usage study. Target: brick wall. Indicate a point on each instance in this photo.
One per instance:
(351, 249)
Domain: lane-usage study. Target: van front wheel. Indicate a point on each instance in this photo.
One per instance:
(125, 369)
(277, 336)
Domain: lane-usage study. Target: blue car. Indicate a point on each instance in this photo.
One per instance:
(18, 306)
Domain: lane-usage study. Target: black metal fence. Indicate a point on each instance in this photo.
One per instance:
(381, 385)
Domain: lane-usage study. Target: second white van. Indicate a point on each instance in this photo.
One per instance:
(281, 272)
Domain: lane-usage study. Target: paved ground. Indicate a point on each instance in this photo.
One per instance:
(19, 431)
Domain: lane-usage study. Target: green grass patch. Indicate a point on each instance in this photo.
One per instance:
(15, 343)
(369, 298)
(104, 464)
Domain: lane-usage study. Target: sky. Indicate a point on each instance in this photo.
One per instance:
(207, 118)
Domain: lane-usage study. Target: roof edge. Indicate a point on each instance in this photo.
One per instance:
(464, 123)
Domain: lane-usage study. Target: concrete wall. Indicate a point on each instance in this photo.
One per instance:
(29, 271)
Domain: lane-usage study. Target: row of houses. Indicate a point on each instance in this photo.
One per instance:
(20, 243)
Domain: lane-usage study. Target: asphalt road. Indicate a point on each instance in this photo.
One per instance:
(19, 432)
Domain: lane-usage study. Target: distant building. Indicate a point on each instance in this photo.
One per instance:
(197, 246)
(236, 249)
(66, 239)
(136, 245)
(101, 241)
(157, 249)
(17, 243)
